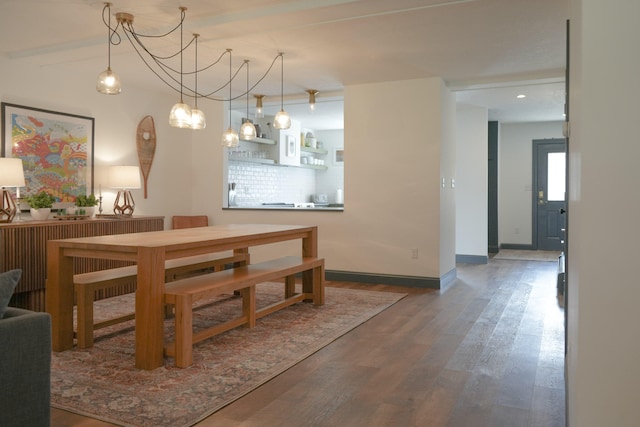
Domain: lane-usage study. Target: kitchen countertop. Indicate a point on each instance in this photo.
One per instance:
(291, 207)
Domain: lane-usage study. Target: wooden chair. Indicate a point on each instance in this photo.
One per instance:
(189, 221)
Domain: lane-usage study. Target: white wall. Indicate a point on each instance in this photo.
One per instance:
(391, 182)
(64, 89)
(392, 191)
(447, 144)
(471, 181)
(516, 176)
(604, 201)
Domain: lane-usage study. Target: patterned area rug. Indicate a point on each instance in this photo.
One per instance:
(523, 255)
(103, 383)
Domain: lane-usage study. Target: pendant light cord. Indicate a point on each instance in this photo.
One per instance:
(182, 9)
(229, 50)
(196, 71)
(109, 37)
(247, 62)
(281, 80)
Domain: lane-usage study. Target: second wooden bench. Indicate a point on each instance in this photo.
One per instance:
(86, 285)
(183, 293)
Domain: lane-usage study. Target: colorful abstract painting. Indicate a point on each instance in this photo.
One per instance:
(56, 150)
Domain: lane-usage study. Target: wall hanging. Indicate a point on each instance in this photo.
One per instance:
(146, 142)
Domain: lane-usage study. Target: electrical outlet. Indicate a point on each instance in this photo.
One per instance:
(414, 253)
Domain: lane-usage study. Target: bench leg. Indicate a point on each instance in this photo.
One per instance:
(249, 305)
(289, 286)
(318, 285)
(84, 317)
(313, 283)
(184, 331)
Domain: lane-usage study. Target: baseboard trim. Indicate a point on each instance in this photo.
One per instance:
(472, 259)
(521, 247)
(388, 279)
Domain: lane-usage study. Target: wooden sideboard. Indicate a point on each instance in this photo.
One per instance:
(23, 245)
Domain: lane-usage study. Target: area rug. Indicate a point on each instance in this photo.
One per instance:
(524, 255)
(102, 382)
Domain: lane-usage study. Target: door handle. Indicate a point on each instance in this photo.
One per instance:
(562, 211)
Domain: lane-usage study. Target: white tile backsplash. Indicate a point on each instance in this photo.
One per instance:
(257, 183)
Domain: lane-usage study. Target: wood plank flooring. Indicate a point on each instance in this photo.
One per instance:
(486, 351)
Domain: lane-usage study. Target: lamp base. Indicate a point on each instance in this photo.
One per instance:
(8, 210)
(124, 204)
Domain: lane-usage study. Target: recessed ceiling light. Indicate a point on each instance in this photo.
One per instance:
(521, 96)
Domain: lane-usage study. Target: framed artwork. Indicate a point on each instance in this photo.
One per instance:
(338, 156)
(291, 146)
(56, 150)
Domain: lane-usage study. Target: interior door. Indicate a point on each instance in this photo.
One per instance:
(549, 193)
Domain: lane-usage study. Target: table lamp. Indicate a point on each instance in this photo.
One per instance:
(124, 178)
(11, 175)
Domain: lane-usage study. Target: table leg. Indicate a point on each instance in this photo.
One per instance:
(59, 296)
(309, 249)
(149, 308)
(242, 251)
(310, 243)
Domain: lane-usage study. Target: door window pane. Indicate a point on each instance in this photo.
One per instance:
(556, 176)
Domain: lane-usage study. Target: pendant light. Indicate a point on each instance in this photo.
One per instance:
(198, 120)
(180, 116)
(259, 109)
(230, 137)
(108, 81)
(247, 130)
(312, 99)
(282, 119)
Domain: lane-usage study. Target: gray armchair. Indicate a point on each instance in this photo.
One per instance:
(25, 368)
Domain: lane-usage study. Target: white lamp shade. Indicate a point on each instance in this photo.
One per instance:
(127, 177)
(11, 172)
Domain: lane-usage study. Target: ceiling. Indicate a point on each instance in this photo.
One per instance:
(487, 51)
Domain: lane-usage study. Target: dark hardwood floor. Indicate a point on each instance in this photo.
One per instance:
(486, 351)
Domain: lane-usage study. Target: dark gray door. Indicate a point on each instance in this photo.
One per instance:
(549, 193)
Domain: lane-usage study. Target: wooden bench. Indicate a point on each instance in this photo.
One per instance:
(86, 285)
(183, 293)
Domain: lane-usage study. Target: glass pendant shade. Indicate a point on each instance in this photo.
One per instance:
(248, 130)
(282, 120)
(230, 138)
(108, 83)
(259, 108)
(198, 120)
(312, 99)
(180, 116)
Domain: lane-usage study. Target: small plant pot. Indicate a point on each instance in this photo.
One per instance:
(84, 210)
(40, 214)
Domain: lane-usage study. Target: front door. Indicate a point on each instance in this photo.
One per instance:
(549, 186)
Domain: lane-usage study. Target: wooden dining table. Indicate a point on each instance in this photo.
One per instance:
(149, 251)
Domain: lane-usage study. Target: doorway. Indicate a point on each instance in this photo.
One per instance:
(549, 194)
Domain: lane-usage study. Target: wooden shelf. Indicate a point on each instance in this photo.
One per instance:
(260, 141)
(252, 160)
(317, 167)
(313, 150)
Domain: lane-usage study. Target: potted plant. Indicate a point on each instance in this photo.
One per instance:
(40, 204)
(86, 204)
